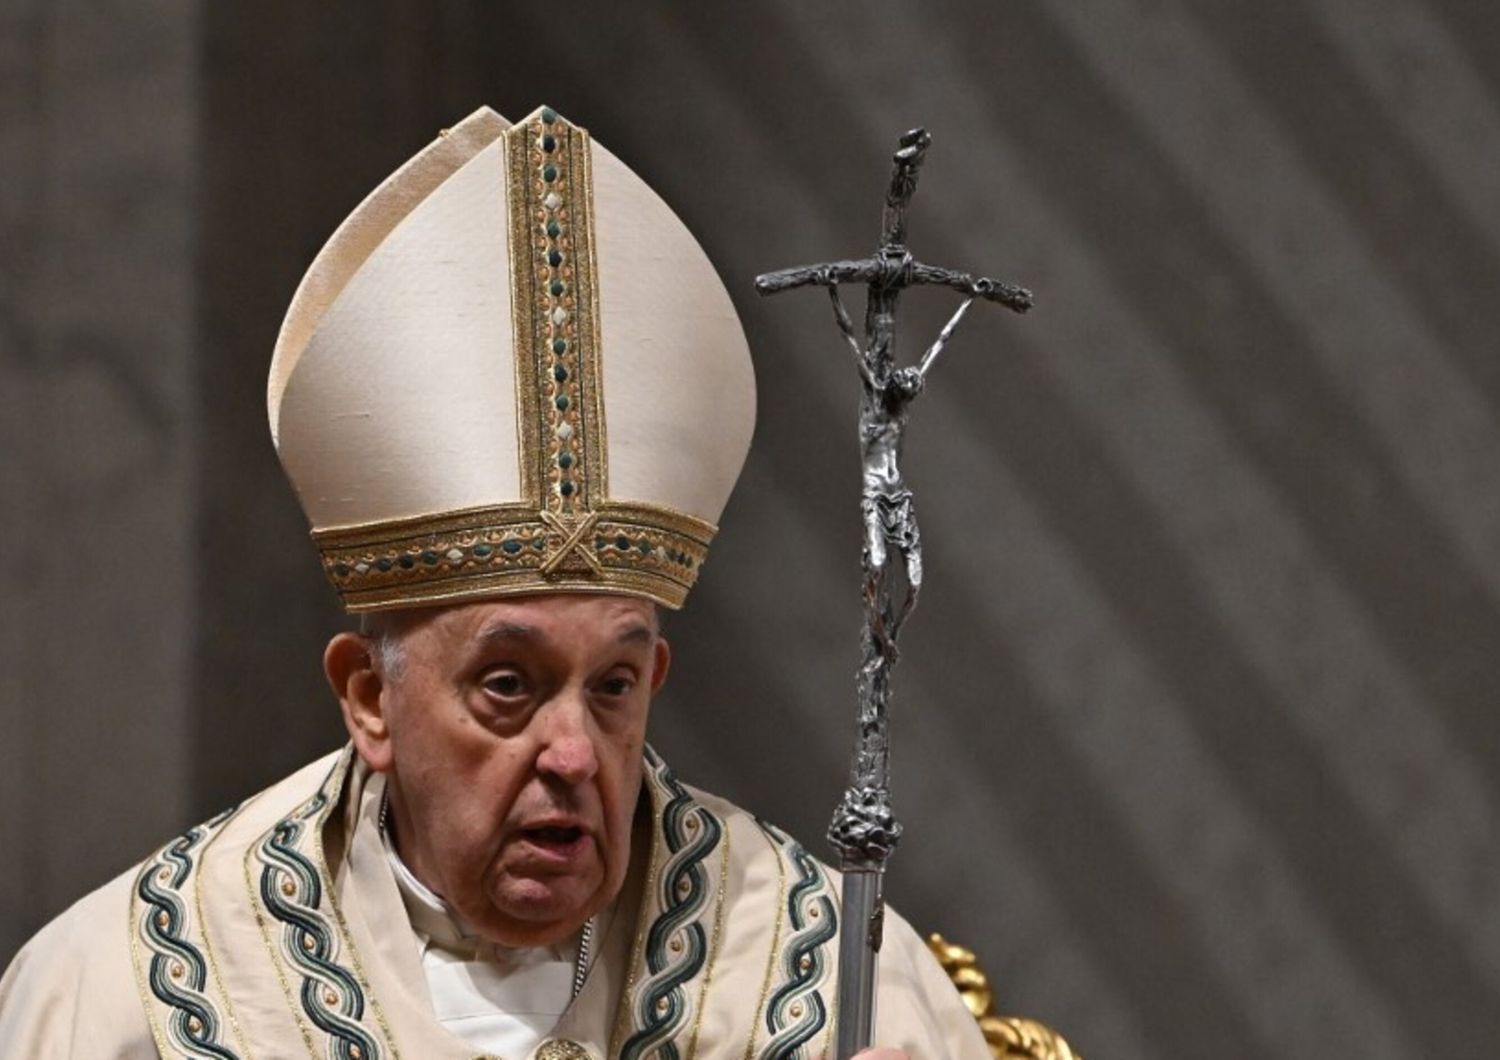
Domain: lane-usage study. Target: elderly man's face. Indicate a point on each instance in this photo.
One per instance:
(512, 733)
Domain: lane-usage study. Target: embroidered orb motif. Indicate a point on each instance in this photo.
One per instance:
(561, 1049)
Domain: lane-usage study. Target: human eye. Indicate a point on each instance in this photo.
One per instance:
(617, 684)
(505, 685)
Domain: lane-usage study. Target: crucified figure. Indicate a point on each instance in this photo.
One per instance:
(864, 828)
(892, 552)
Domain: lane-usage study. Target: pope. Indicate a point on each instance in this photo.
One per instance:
(513, 397)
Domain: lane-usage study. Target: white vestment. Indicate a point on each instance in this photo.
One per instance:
(278, 929)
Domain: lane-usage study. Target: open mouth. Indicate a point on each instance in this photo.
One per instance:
(554, 836)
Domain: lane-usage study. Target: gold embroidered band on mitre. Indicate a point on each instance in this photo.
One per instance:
(639, 550)
(566, 535)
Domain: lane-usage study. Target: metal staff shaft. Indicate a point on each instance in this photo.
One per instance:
(864, 829)
(863, 913)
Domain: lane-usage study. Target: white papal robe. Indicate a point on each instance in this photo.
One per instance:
(277, 930)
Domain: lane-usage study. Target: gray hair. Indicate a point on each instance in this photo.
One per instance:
(383, 631)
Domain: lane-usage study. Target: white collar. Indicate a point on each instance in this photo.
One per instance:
(439, 923)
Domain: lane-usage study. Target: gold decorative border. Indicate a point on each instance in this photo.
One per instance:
(623, 1021)
(639, 549)
(773, 956)
(555, 315)
(208, 949)
(524, 338)
(276, 963)
(713, 947)
(598, 480)
(313, 815)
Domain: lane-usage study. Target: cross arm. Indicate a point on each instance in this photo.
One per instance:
(1007, 294)
(830, 274)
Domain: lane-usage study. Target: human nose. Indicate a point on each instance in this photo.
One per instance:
(567, 740)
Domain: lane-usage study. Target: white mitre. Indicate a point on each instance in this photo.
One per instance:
(511, 370)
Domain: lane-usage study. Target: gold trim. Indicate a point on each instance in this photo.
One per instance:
(523, 309)
(592, 377)
(554, 320)
(573, 541)
(344, 767)
(208, 948)
(275, 958)
(333, 787)
(148, 999)
(573, 216)
(623, 1013)
(559, 1049)
(522, 338)
(713, 946)
(781, 915)
(685, 522)
(639, 549)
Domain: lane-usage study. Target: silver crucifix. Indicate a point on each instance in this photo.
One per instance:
(864, 829)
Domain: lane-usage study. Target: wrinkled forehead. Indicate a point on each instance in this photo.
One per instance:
(567, 616)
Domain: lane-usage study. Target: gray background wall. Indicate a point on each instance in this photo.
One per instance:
(1195, 739)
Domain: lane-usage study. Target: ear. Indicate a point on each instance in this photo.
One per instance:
(661, 664)
(360, 686)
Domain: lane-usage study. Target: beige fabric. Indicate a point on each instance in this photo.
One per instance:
(404, 402)
(679, 392)
(72, 991)
(363, 231)
(514, 331)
